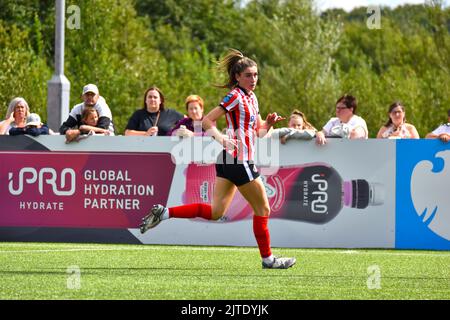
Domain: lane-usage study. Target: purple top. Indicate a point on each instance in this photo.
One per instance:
(189, 124)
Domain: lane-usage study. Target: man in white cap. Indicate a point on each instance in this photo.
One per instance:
(91, 99)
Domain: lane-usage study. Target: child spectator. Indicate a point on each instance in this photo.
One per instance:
(89, 122)
(91, 99)
(33, 127)
(298, 128)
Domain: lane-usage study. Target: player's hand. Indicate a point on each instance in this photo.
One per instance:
(229, 144)
(273, 118)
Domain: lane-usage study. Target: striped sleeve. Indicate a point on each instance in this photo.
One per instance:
(230, 102)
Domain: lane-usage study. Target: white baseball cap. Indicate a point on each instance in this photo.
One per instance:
(33, 120)
(90, 88)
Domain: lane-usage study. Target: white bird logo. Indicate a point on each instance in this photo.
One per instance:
(430, 193)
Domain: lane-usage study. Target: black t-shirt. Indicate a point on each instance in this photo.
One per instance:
(142, 120)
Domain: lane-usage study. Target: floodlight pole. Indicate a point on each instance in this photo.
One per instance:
(58, 94)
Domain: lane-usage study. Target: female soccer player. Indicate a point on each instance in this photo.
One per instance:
(235, 169)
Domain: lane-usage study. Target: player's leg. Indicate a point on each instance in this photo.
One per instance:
(254, 192)
(224, 191)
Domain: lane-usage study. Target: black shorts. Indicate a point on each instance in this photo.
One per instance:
(238, 172)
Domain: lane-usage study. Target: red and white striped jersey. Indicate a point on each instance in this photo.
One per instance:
(242, 117)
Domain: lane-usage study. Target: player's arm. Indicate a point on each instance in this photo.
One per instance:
(264, 126)
(209, 126)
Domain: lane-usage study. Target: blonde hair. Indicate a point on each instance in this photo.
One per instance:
(194, 98)
(234, 63)
(12, 105)
(306, 124)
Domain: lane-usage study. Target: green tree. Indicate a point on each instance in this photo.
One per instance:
(294, 48)
(113, 49)
(22, 72)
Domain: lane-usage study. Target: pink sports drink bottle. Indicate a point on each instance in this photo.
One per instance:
(313, 193)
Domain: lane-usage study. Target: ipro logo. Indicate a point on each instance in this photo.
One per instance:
(62, 184)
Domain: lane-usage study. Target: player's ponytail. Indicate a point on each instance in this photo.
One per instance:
(234, 63)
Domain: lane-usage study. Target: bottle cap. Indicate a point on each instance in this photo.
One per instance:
(376, 195)
(360, 194)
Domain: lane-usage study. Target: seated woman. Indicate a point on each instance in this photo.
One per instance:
(346, 124)
(397, 127)
(298, 128)
(16, 115)
(192, 125)
(153, 119)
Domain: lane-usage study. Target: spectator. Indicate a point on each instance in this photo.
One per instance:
(89, 122)
(298, 128)
(91, 98)
(16, 115)
(397, 127)
(88, 127)
(442, 132)
(153, 119)
(192, 125)
(346, 124)
(33, 127)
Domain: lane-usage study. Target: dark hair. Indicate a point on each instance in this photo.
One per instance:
(392, 107)
(349, 101)
(448, 112)
(161, 106)
(234, 63)
(306, 124)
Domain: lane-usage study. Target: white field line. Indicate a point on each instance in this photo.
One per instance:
(306, 251)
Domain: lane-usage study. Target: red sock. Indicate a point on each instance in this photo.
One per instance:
(261, 231)
(190, 211)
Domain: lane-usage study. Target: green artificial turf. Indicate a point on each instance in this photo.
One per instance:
(44, 271)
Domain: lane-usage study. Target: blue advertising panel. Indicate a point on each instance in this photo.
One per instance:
(423, 195)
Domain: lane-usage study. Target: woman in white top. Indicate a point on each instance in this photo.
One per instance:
(16, 115)
(397, 127)
(442, 132)
(346, 124)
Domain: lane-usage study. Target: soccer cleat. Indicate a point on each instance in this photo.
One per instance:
(153, 218)
(279, 263)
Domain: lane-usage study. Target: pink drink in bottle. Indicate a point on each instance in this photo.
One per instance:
(313, 193)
